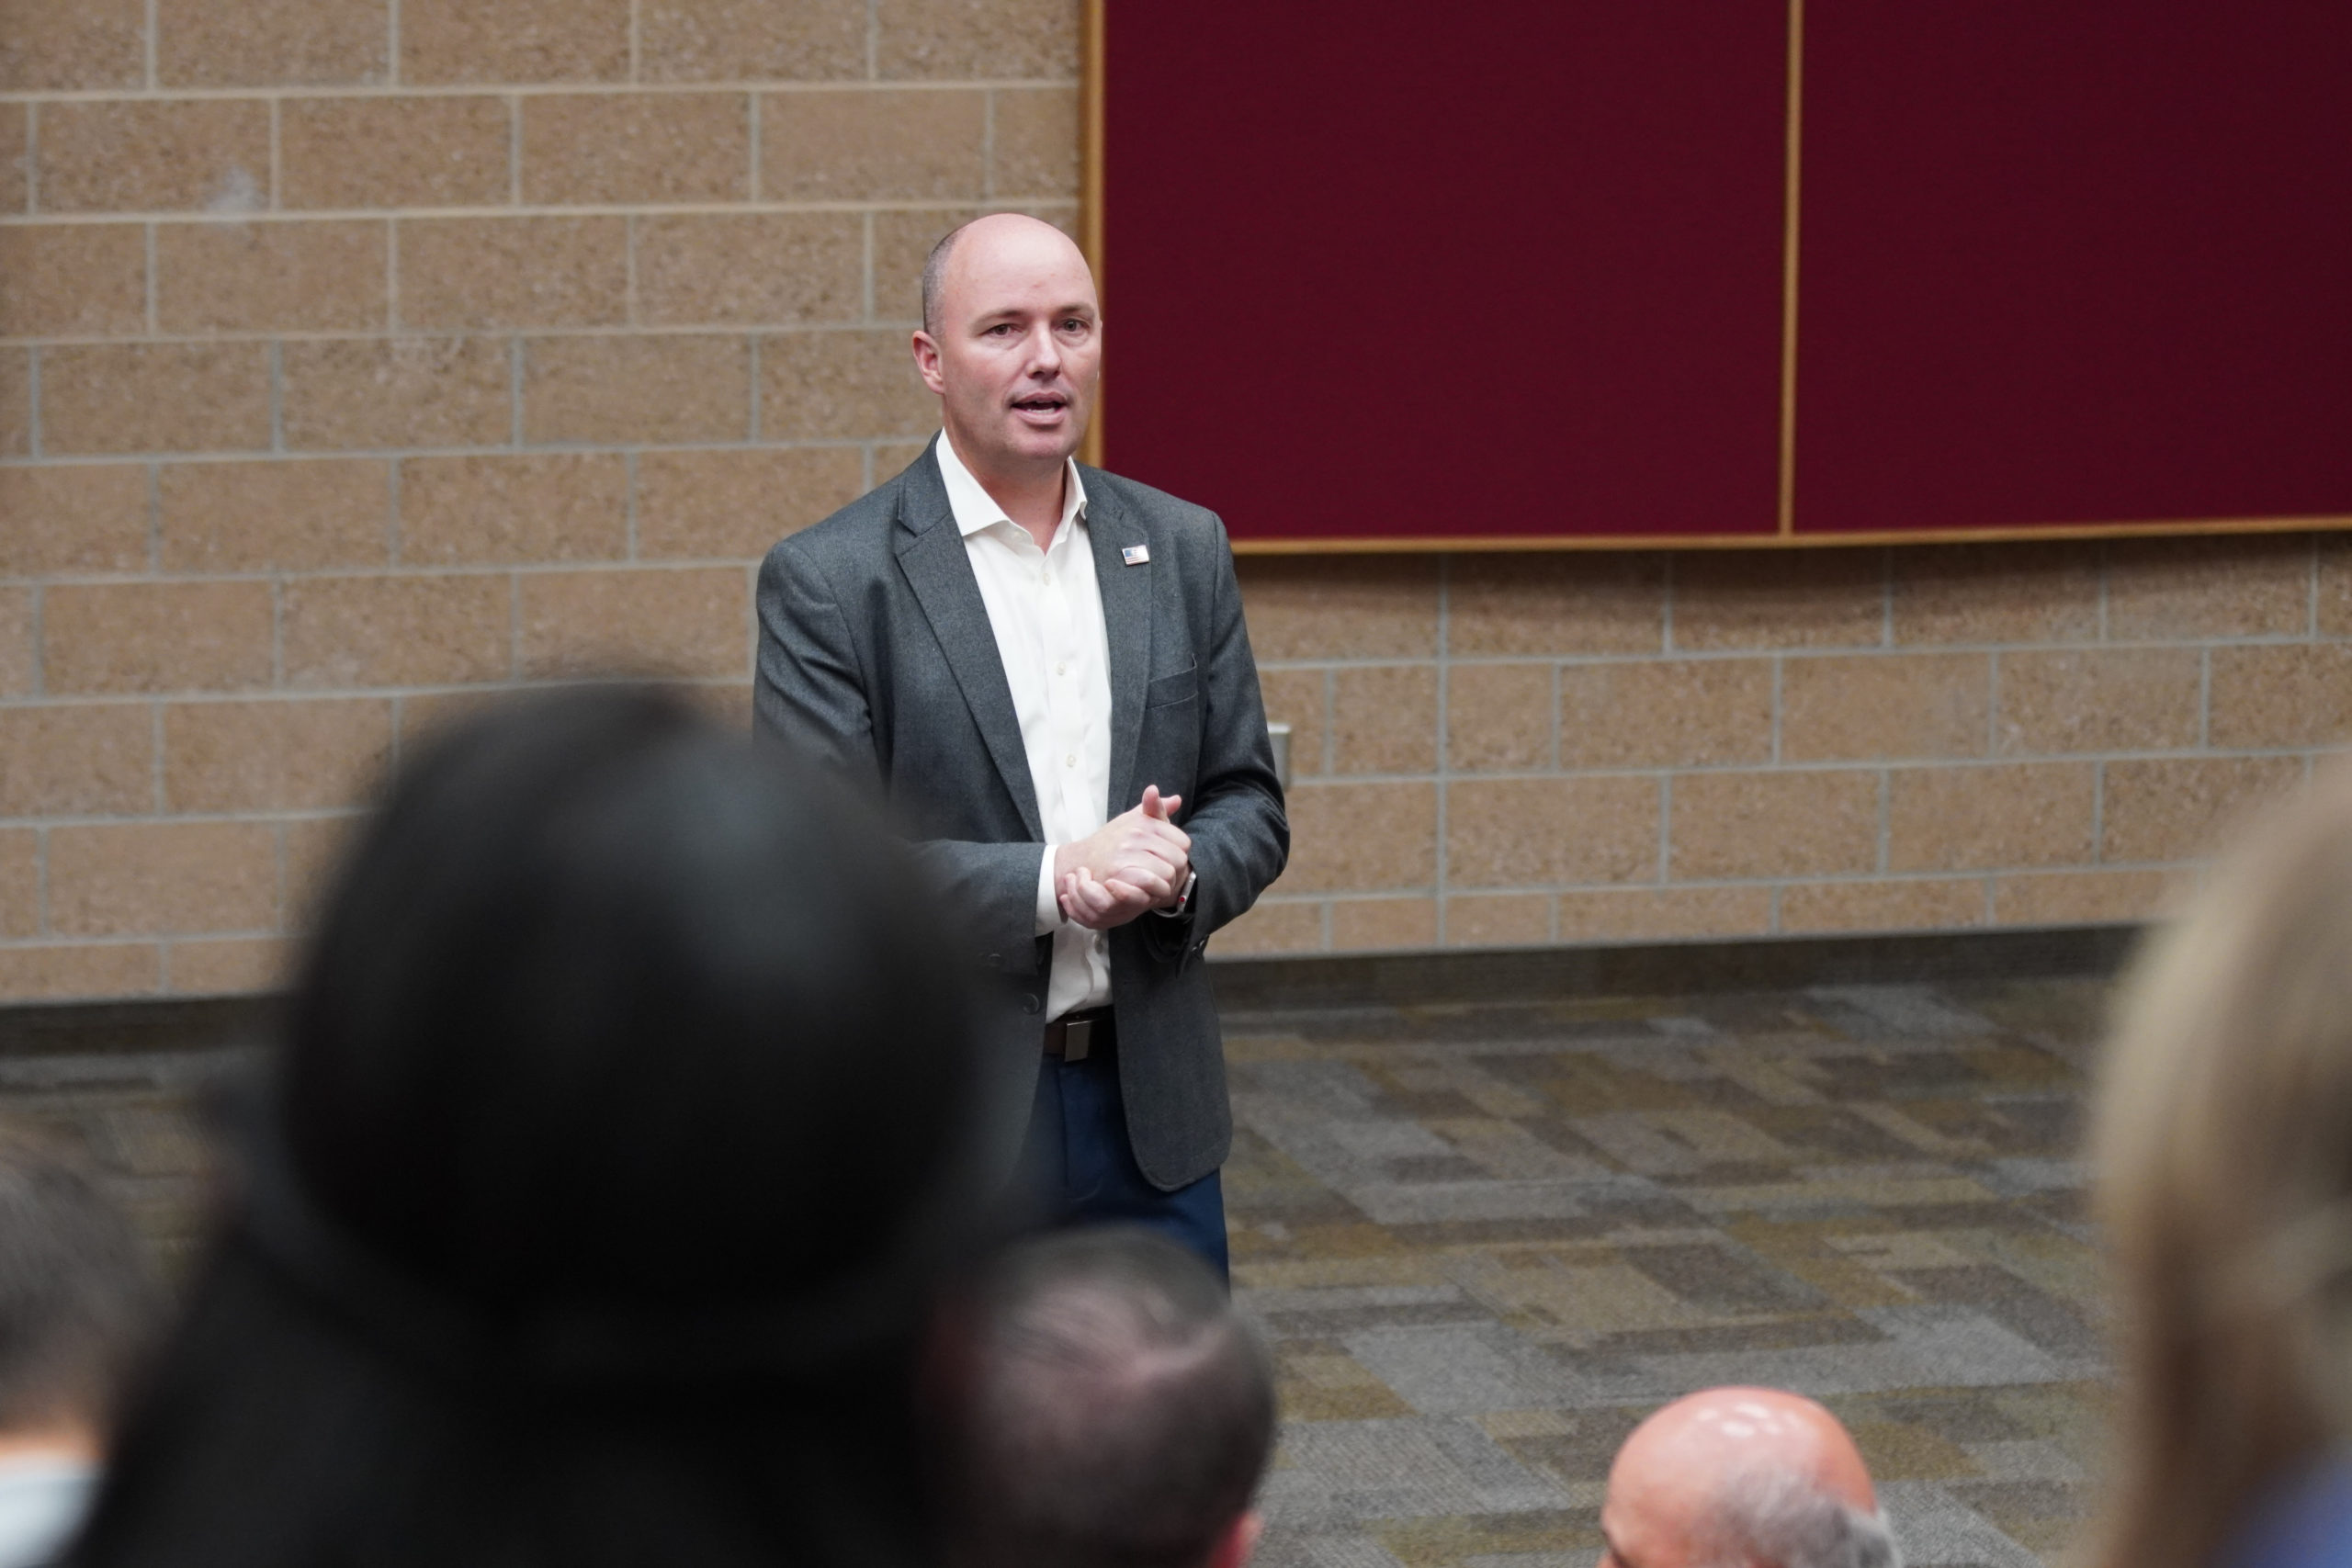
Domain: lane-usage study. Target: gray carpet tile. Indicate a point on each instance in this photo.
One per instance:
(1487, 1241)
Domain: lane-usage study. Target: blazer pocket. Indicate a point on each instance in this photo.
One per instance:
(1182, 686)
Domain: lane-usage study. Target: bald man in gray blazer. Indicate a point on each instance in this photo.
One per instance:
(1043, 667)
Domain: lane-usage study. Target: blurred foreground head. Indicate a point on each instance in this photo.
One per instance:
(2222, 1154)
(627, 1116)
(1742, 1478)
(1100, 1405)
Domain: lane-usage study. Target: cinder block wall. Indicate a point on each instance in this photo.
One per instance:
(1575, 748)
(358, 356)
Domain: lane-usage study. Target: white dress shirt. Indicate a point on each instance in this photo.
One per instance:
(42, 1500)
(1045, 608)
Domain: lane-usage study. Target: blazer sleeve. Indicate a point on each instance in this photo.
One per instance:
(1241, 833)
(811, 694)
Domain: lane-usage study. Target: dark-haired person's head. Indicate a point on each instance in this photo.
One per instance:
(627, 1114)
(77, 1300)
(1099, 1404)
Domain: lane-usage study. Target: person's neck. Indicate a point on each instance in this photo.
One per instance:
(1030, 493)
(64, 1441)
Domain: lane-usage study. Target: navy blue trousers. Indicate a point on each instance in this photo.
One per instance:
(1083, 1170)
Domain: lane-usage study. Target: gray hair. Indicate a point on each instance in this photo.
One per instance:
(1786, 1519)
(1113, 1409)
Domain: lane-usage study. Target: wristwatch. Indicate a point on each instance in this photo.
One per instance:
(1183, 899)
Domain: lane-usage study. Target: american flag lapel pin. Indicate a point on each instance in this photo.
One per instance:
(1136, 555)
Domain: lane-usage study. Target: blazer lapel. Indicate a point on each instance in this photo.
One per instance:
(1127, 620)
(930, 553)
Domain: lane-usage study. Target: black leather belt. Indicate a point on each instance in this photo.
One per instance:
(1075, 1035)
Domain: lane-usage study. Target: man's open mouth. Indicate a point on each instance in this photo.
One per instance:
(1046, 403)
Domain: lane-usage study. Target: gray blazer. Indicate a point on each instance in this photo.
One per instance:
(875, 651)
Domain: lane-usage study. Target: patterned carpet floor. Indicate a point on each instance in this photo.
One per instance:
(1486, 1240)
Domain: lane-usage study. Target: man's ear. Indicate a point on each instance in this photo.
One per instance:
(926, 349)
(1239, 1539)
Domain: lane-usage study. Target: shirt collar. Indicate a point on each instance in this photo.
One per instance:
(974, 509)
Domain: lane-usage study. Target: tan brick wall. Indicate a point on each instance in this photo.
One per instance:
(1505, 749)
(358, 356)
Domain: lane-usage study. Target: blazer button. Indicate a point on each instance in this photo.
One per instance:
(1032, 1002)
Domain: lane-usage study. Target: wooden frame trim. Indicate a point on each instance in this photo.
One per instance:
(1793, 155)
(1092, 86)
(1089, 182)
(1487, 544)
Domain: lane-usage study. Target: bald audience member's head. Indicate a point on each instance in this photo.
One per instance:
(1012, 343)
(1742, 1478)
(1100, 1405)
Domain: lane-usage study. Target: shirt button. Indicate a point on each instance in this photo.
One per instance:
(1070, 761)
(1062, 669)
(1049, 580)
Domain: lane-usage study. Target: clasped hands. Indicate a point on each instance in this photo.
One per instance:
(1137, 861)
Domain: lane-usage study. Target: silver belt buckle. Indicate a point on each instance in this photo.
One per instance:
(1078, 1039)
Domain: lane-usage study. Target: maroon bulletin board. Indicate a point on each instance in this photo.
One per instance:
(1561, 273)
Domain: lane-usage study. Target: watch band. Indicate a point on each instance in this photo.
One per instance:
(1183, 898)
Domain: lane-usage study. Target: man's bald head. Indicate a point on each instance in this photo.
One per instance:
(995, 230)
(1012, 343)
(1731, 1477)
(1722, 1429)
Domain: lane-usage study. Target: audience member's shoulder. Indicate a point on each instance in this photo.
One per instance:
(2305, 1522)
